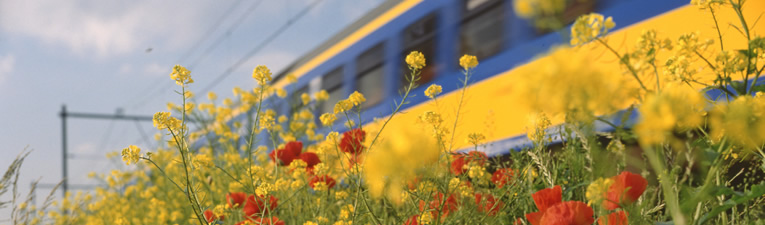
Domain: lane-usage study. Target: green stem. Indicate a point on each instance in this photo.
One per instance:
(459, 108)
(669, 194)
(624, 61)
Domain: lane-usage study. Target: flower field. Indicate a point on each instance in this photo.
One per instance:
(693, 156)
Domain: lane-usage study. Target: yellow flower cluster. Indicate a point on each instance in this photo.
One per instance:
(589, 27)
(468, 62)
(321, 95)
(342, 106)
(597, 189)
(433, 90)
(131, 154)
(475, 138)
(703, 4)
(327, 119)
(742, 121)
(397, 160)
(305, 98)
(357, 98)
(415, 60)
(181, 75)
(262, 75)
(676, 106)
(563, 82)
(163, 120)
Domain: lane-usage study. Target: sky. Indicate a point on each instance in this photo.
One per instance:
(98, 56)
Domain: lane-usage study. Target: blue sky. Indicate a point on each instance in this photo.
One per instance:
(94, 56)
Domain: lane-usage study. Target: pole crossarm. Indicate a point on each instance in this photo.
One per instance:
(107, 116)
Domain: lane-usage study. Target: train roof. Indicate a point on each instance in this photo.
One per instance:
(368, 17)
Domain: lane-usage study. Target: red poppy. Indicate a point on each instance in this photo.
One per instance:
(325, 179)
(438, 204)
(568, 213)
(256, 205)
(544, 199)
(310, 159)
(412, 221)
(627, 188)
(263, 221)
(354, 159)
(210, 216)
(236, 199)
(286, 155)
(502, 176)
(615, 218)
(352, 141)
(491, 205)
(412, 184)
(462, 159)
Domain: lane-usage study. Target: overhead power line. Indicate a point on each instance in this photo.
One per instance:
(206, 35)
(260, 46)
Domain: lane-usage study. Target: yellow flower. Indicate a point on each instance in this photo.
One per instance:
(400, 157)
(597, 190)
(475, 138)
(160, 119)
(426, 218)
(310, 223)
(433, 90)
(131, 154)
(212, 96)
(327, 119)
(415, 60)
(677, 105)
(589, 27)
(281, 93)
(564, 83)
(523, 8)
(742, 121)
(305, 98)
(342, 106)
(262, 74)
(468, 62)
(181, 75)
(322, 95)
(357, 98)
(291, 78)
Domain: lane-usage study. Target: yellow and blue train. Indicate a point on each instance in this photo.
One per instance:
(368, 56)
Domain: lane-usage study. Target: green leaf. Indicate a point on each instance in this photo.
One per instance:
(756, 191)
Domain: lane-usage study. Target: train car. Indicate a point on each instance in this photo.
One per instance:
(368, 56)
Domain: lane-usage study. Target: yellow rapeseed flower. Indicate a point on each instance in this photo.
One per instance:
(589, 27)
(597, 190)
(677, 106)
(403, 154)
(212, 96)
(433, 90)
(343, 105)
(322, 95)
(468, 62)
(565, 83)
(327, 119)
(291, 78)
(181, 75)
(131, 154)
(742, 121)
(305, 98)
(415, 60)
(357, 98)
(281, 93)
(262, 74)
(475, 138)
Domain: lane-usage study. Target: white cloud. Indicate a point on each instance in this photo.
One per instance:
(7, 63)
(106, 28)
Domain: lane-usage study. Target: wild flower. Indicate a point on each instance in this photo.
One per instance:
(415, 60)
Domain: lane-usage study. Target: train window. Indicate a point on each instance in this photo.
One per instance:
(332, 82)
(370, 75)
(419, 37)
(482, 28)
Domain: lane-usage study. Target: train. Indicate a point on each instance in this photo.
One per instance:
(368, 56)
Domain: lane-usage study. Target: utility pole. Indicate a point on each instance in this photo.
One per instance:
(64, 114)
